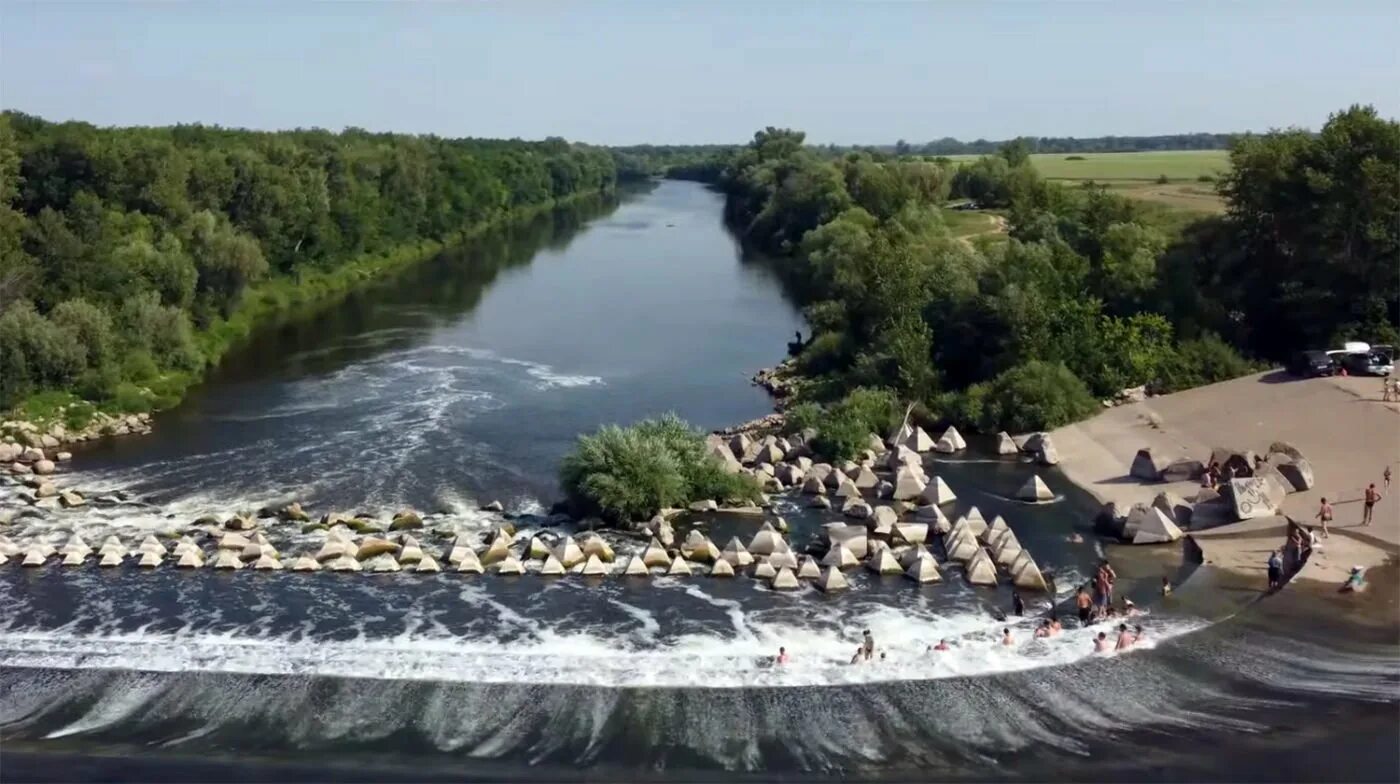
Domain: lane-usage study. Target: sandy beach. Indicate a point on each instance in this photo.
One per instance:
(1340, 424)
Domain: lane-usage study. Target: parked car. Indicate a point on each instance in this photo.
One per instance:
(1312, 363)
(1370, 363)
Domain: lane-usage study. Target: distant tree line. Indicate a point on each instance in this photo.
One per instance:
(1068, 144)
(118, 244)
(1092, 293)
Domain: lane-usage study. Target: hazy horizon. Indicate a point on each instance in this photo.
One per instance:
(620, 73)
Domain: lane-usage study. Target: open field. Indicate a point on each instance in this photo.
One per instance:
(1136, 174)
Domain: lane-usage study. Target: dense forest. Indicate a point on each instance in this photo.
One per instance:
(1069, 144)
(125, 253)
(1088, 296)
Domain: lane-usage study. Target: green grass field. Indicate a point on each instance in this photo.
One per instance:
(1137, 174)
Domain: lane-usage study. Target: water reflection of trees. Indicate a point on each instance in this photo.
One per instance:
(401, 309)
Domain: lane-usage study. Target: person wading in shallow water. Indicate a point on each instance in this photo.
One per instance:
(782, 657)
(1084, 605)
(1101, 643)
(868, 646)
(1018, 605)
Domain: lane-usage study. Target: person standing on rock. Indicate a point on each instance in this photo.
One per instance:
(1275, 571)
(1324, 513)
(1370, 498)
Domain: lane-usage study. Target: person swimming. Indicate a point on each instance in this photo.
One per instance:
(782, 657)
(1138, 635)
(1056, 627)
(1044, 629)
(860, 654)
(941, 646)
(1101, 643)
(1125, 638)
(1006, 637)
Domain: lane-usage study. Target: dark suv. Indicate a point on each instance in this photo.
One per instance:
(1312, 363)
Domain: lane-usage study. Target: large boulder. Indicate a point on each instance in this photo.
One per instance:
(767, 541)
(406, 520)
(813, 485)
(1237, 463)
(1005, 444)
(856, 509)
(1047, 454)
(769, 453)
(725, 456)
(1271, 473)
(1298, 472)
(882, 520)
(789, 474)
(1250, 497)
(1182, 470)
(1146, 467)
(371, 547)
(1035, 490)
(43, 467)
(741, 446)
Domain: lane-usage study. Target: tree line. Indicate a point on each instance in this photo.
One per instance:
(119, 245)
(1092, 293)
(1068, 144)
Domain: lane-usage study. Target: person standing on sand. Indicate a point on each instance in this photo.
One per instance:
(1275, 571)
(1386, 477)
(1370, 498)
(1324, 513)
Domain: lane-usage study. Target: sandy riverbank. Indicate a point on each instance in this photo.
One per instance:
(1340, 424)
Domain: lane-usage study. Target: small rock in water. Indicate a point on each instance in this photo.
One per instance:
(494, 506)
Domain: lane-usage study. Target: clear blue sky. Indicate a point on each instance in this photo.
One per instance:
(688, 72)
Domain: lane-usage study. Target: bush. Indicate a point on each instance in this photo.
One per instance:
(633, 472)
(1205, 360)
(801, 417)
(35, 354)
(1032, 396)
(1205, 178)
(1074, 157)
(1162, 179)
(825, 353)
(131, 399)
(875, 410)
(841, 437)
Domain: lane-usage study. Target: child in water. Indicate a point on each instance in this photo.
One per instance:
(1101, 643)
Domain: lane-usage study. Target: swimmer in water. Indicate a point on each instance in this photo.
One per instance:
(1101, 643)
(782, 657)
(1043, 630)
(1166, 586)
(941, 646)
(1137, 635)
(1125, 638)
(1006, 637)
(860, 653)
(882, 655)
(1055, 627)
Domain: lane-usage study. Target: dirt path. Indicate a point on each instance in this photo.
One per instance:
(998, 226)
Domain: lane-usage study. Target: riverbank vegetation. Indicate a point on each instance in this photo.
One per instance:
(1092, 293)
(631, 473)
(130, 258)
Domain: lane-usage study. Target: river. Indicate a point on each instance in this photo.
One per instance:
(465, 379)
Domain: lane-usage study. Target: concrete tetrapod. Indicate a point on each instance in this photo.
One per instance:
(937, 492)
(1035, 490)
(923, 569)
(654, 556)
(678, 568)
(721, 569)
(1026, 575)
(882, 562)
(737, 554)
(785, 580)
(636, 567)
(839, 557)
(568, 553)
(553, 567)
(832, 580)
(980, 570)
(510, 565)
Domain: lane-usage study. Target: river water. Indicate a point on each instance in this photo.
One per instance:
(465, 379)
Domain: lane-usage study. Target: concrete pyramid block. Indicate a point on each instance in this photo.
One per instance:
(839, 557)
(994, 529)
(305, 563)
(832, 580)
(961, 547)
(75, 544)
(373, 546)
(847, 490)
(552, 567)
(1035, 490)
(901, 434)
(909, 555)
(785, 580)
(721, 568)
(678, 568)
(1026, 575)
(468, 561)
(698, 547)
(227, 559)
(1007, 550)
(809, 570)
(268, 563)
(334, 548)
(736, 554)
(654, 556)
(193, 559)
(919, 441)
(229, 541)
(935, 518)
(595, 545)
(1146, 467)
(882, 562)
(427, 564)
(834, 478)
(923, 569)
(636, 567)
(344, 563)
(864, 478)
(813, 486)
(1006, 445)
(594, 566)
(783, 560)
(819, 471)
(75, 558)
(457, 552)
(9, 549)
(790, 475)
(766, 541)
(149, 559)
(181, 547)
(152, 545)
(740, 445)
(980, 569)
(937, 492)
(382, 564)
(35, 556)
(769, 453)
(1151, 525)
(109, 558)
(411, 552)
(912, 533)
(908, 485)
(974, 519)
(764, 571)
(536, 550)
(1174, 506)
(498, 551)
(509, 565)
(568, 553)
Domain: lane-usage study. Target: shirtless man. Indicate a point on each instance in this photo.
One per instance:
(1324, 513)
(782, 657)
(941, 646)
(1085, 605)
(867, 647)
(1055, 627)
(1006, 637)
(1125, 638)
(1043, 630)
(1371, 496)
(1101, 643)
